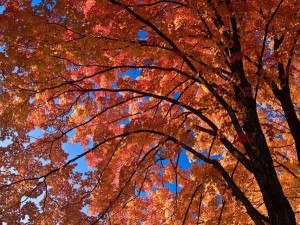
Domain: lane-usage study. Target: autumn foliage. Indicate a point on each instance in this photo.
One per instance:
(188, 111)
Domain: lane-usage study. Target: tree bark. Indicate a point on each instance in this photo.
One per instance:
(284, 97)
(279, 210)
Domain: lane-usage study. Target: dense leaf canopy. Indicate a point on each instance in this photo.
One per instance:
(141, 86)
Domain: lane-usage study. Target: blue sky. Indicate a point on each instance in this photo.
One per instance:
(35, 2)
(1, 8)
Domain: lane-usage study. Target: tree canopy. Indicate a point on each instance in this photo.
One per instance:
(141, 85)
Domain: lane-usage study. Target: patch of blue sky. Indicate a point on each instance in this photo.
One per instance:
(154, 188)
(172, 187)
(124, 122)
(163, 162)
(194, 215)
(193, 133)
(31, 100)
(2, 8)
(115, 86)
(25, 199)
(184, 165)
(142, 35)
(141, 103)
(69, 68)
(74, 150)
(56, 101)
(36, 201)
(6, 142)
(205, 152)
(91, 95)
(25, 219)
(133, 73)
(140, 193)
(85, 210)
(219, 198)
(38, 2)
(184, 162)
(36, 133)
(176, 95)
(63, 18)
(2, 47)
(16, 69)
(44, 162)
(216, 156)
(35, 2)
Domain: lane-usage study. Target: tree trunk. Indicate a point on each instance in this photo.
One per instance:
(279, 210)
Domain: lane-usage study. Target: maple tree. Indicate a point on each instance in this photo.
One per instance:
(217, 82)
